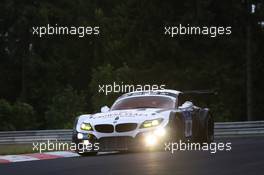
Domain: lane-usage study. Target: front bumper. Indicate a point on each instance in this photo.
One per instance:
(148, 140)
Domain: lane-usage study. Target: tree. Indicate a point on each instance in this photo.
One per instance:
(17, 116)
(65, 107)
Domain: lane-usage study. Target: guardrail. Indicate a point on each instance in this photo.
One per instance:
(222, 129)
(232, 129)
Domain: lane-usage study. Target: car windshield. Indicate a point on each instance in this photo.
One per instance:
(144, 102)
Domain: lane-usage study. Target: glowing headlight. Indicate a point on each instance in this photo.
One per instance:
(160, 132)
(86, 127)
(151, 123)
(151, 140)
(80, 136)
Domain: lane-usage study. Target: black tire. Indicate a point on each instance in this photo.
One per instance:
(80, 152)
(88, 154)
(207, 135)
(178, 130)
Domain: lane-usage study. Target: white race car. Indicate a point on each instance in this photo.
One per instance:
(144, 120)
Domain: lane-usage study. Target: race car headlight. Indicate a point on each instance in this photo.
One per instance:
(161, 132)
(151, 123)
(86, 127)
(80, 136)
(151, 140)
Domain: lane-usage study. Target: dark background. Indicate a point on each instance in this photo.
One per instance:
(46, 82)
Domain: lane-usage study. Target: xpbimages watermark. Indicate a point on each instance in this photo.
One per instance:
(213, 147)
(172, 147)
(54, 145)
(212, 31)
(125, 88)
(80, 31)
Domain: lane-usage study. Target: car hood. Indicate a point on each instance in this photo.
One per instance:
(126, 116)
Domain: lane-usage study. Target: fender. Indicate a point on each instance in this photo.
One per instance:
(176, 125)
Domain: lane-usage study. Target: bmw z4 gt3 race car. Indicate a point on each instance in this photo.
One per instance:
(144, 120)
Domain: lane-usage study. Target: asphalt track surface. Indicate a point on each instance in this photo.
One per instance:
(246, 157)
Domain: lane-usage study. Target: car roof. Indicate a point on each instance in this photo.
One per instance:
(164, 92)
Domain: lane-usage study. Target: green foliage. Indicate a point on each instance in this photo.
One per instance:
(107, 75)
(19, 116)
(131, 48)
(5, 116)
(65, 107)
(24, 116)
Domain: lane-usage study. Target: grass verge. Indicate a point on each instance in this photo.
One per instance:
(16, 149)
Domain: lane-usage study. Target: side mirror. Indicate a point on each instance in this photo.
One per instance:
(186, 104)
(105, 109)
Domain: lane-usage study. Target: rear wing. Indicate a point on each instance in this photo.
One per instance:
(198, 97)
(210, 92)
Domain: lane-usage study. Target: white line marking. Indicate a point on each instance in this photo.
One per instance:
(18, 158)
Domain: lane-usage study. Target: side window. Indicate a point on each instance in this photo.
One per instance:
(180, 100)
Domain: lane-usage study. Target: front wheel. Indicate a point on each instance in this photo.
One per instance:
(88, 154)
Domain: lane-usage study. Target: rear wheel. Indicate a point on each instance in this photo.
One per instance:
(207, 135)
